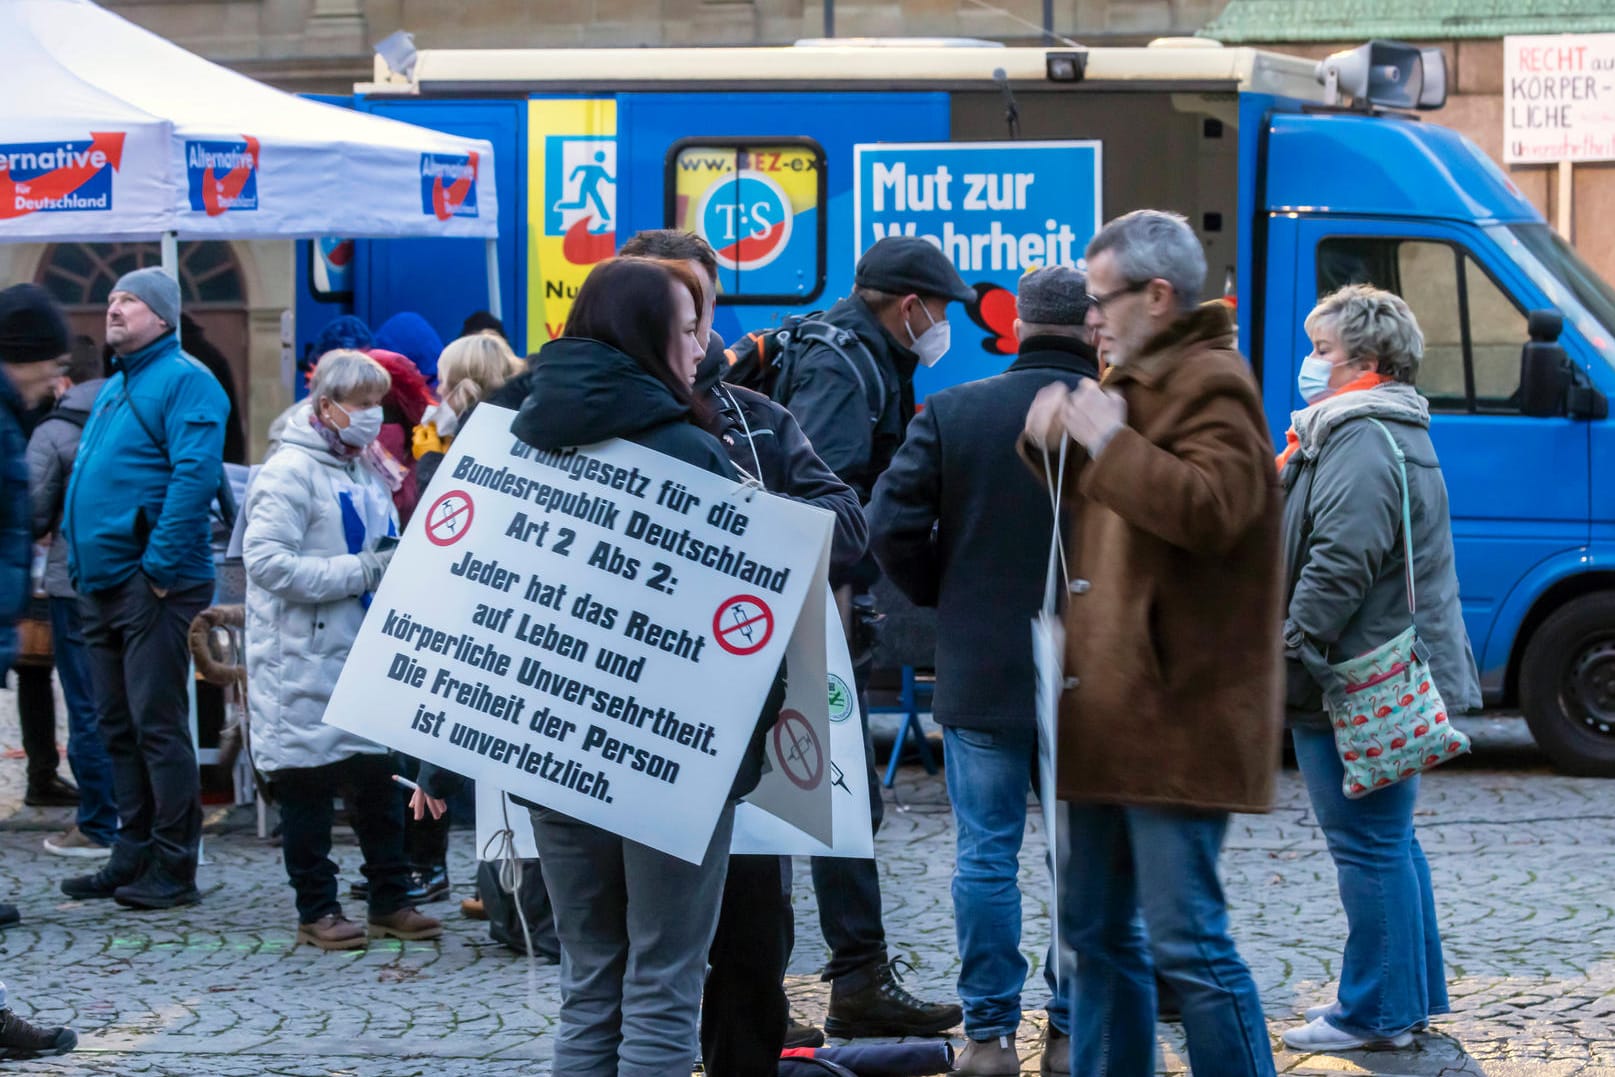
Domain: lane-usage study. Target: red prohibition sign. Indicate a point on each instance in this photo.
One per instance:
(449, 519)
(743, 625)
(798, 750)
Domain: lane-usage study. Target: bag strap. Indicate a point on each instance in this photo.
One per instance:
(1407, 514)
(813, 331)
(1055, 481)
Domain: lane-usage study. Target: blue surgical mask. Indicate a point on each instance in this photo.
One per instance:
(1313, 381)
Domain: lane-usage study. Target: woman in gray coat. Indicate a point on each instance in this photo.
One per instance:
(1348, 595)
(320, 530)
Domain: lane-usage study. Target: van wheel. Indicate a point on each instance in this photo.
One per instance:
(1567, 686)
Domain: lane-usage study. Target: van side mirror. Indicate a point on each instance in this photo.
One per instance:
(1544, 367)
(1548, 385)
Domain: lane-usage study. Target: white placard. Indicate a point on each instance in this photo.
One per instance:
(760, 832)
(592, 629)
(1559, 98)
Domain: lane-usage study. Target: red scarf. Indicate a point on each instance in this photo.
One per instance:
(1292, 441)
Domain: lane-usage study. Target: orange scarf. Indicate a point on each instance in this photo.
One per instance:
(1292, 441)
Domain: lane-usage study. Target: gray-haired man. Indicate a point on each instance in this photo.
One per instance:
(938, 529)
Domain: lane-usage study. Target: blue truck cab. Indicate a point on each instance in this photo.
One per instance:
(1292, 196)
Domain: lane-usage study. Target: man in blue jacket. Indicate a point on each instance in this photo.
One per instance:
(138, 536)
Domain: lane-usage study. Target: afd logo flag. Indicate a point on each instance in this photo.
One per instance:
(222, 176)
(449, 185)
(59, 177)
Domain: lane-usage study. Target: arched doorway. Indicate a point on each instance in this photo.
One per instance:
(213, 291)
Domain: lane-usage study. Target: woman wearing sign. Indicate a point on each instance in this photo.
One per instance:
(320, 530)
(634, 924)
(1359, 461)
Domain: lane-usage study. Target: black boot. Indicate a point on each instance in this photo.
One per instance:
(798, 1034)
(53, 791)
(158, 888)
(121, 870)
(22, 1039)
(870, 1002)
(8, 914)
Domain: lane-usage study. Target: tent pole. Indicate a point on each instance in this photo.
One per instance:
(170, 247)
(492, 249)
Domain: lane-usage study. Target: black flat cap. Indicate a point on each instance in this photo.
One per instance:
(32, 328)
(902, 265)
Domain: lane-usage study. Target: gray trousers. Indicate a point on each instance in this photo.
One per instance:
(635, 926)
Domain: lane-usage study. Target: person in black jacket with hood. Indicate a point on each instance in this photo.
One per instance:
(958, 522)
(745, 1014)
(634, 924)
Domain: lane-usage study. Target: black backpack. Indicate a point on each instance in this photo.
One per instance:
(758, 361)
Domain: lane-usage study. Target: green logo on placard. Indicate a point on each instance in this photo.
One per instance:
(840, 700)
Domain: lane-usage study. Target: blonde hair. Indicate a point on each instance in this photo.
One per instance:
(474, 367)
(1373, 324)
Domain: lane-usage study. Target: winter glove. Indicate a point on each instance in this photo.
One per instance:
(426, 440)
(374, 563)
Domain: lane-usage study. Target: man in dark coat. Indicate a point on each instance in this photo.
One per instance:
(1172, 710)
(855, 421)
(939, 528)
(33, 348)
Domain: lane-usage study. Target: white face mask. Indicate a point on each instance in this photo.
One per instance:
(932, 344)
(1313, 380)
(364, 426)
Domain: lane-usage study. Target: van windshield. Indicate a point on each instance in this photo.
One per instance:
(1582, 296)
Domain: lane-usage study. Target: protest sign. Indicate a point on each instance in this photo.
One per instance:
(1558, 98)
(780, 832)
(592, 629)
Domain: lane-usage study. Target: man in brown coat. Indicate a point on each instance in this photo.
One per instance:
(1172, 713)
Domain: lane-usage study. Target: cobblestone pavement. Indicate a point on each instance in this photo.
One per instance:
(1522, 860)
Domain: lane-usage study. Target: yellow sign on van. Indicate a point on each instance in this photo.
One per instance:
(572, 205)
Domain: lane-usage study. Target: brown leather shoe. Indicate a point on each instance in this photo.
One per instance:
(407, 923)
(472, 909)
(332, 931)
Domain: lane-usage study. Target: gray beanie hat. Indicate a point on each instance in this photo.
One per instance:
(1053, 295)
(155, 288)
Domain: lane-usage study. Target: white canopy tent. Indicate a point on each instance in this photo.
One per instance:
(110, 132)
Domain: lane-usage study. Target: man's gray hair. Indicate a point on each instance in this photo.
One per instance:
(345, 375)
(1373, 324)
(1151, 243)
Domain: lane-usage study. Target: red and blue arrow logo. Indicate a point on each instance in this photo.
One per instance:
(59, 177)
(449, 185)
(222, 175)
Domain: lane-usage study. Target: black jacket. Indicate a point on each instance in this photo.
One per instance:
(834, 410)
(763, 440)
(582, 392)
(958, 522)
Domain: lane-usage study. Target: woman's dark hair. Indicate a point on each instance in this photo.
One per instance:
(628, 304)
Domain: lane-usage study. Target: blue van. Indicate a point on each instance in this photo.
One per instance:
(1293, 194)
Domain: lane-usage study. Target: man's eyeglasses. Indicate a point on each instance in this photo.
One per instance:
(1098, 301)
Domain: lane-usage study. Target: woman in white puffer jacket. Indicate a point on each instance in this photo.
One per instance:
(319, 533)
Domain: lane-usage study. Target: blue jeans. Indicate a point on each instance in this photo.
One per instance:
(86, 751)
(988, 776)
(1142, 883)
(1392, 976)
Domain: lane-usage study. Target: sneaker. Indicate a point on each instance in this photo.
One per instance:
(472, 909)
(8, 914)
(55, 792)
(988, 1058)
(1319, 1035)
(21, 1039)
(407, 923)
(802, 1034)
(74, 842)
(331, 932)
(1056, 1052)
(158, 888)
(871, 1002)
(104, 883)
(1315, 1012)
